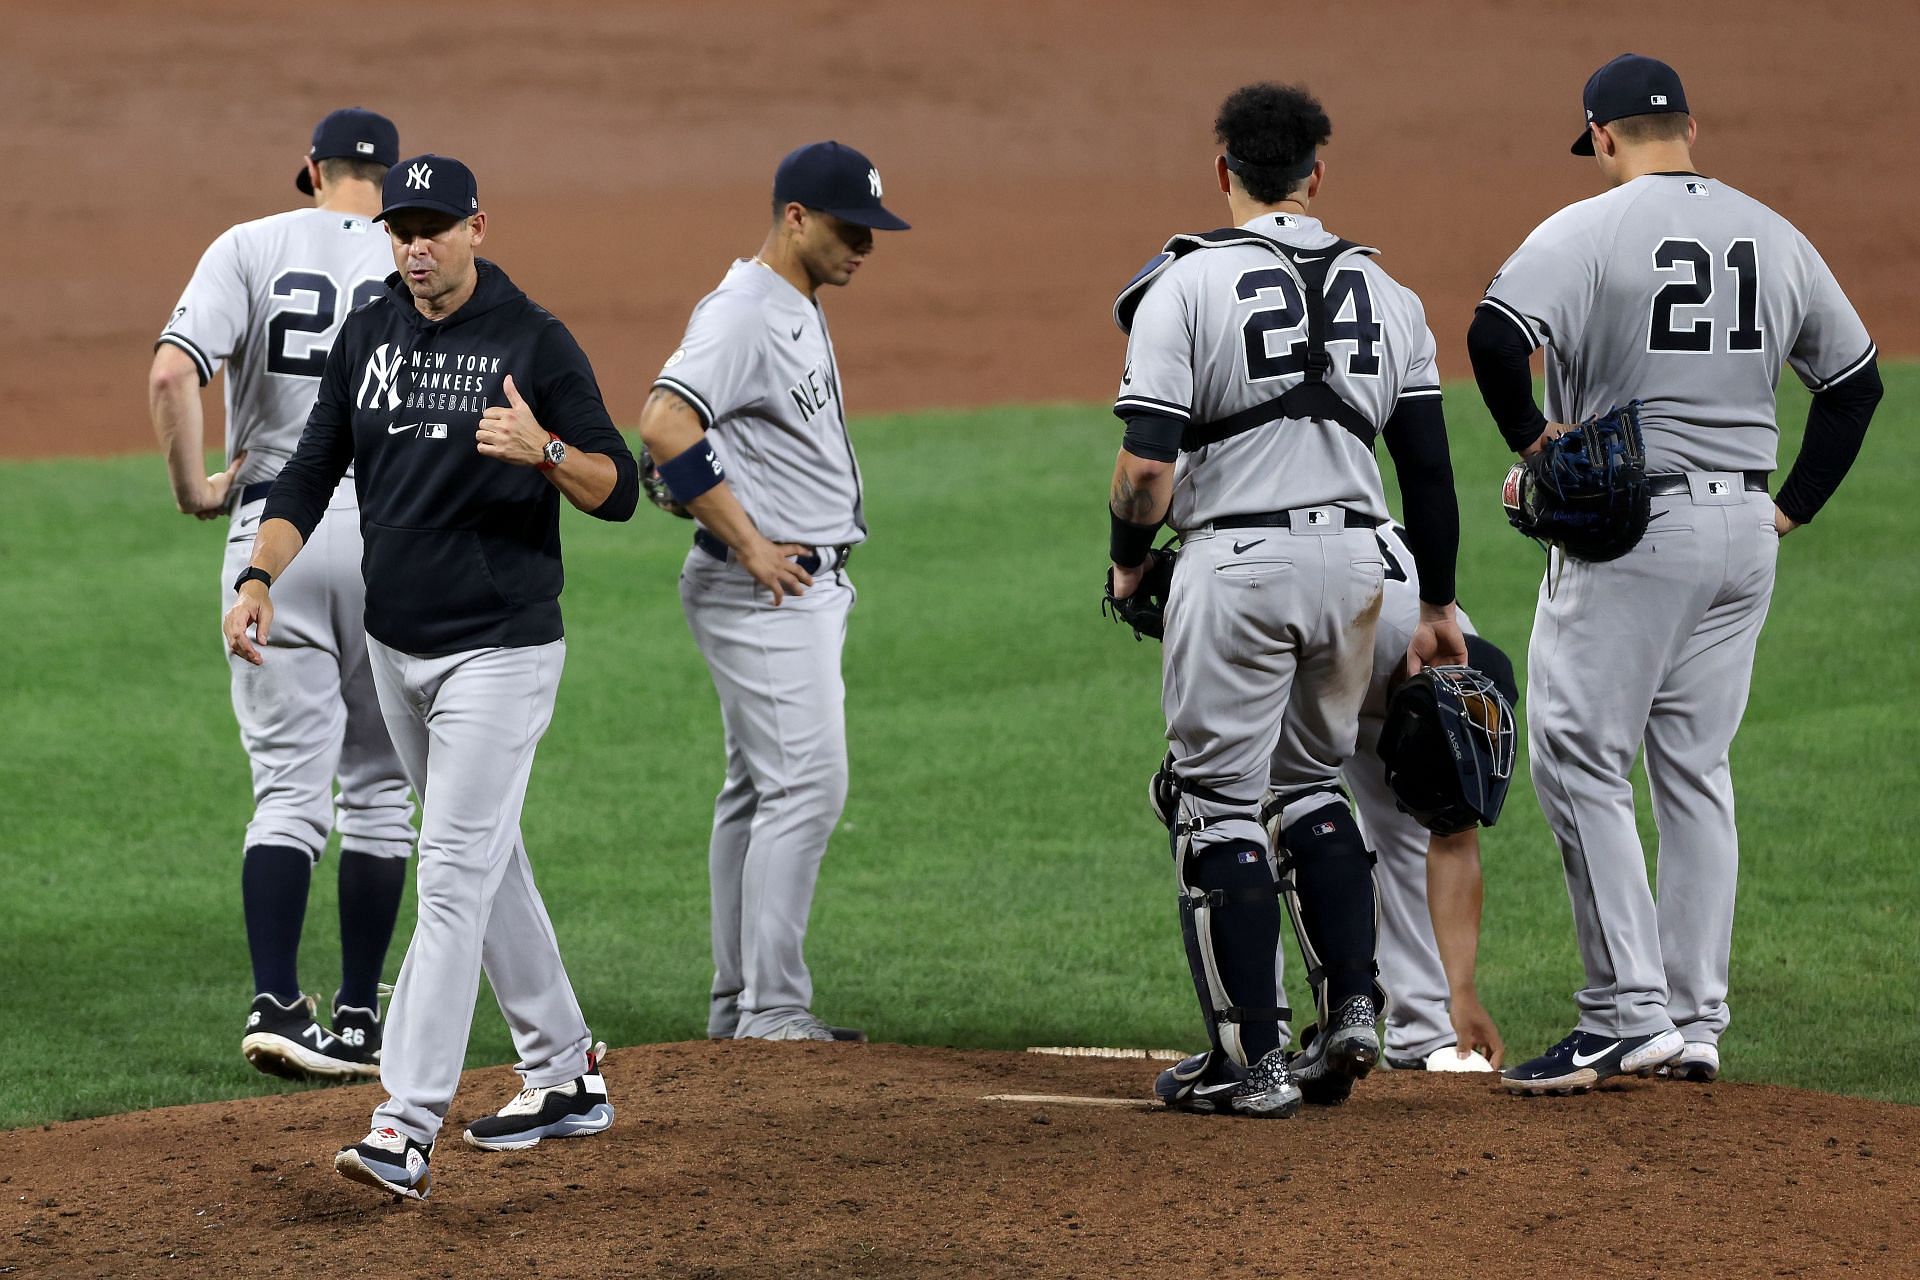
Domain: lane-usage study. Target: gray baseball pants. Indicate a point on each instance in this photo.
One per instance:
(1655, 648)
(466, 725)
(1282, 629)
(782, 704)
(1417, 1017)
(309, 713)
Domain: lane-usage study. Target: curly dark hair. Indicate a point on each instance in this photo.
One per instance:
(1271, 129)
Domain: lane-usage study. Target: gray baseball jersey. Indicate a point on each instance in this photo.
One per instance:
(1684, 293)
(757, 365)
(266, 301)
(1679, 291)
(1224, 329)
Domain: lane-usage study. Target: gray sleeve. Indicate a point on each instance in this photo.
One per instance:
(715, 368)
(1159, 373)
(1832, 344)
(1422, 377)
(211, 316)
(1546, 289)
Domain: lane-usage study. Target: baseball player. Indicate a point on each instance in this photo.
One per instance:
(1674, 289)
(265, 303)
(468, 412)
(1429, 885)
(1263, 361)
(749, 429)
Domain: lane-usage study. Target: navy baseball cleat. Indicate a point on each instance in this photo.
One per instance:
(284, 1040)
(1330, 1062)
(1201, 1084)
(1269, 1089)
(571, 1110)
(1585, 1058)
(389, 1160)
(1210, 1083)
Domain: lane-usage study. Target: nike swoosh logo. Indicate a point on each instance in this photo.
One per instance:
(411, 426)
(1588, 1059)
(1126, 378)
(1315, 258)
(1241, 548)
(797, 332)
(247, 520)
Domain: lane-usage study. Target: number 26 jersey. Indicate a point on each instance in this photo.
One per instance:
(266, 302)
(1684, 293)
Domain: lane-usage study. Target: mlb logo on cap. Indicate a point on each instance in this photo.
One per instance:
(1631, 85)
(352, 132)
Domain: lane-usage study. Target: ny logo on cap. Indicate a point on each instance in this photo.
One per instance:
(419, 176)
(1659, 99)
(873, 183)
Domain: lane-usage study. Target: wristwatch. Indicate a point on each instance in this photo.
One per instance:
(556, 453)
(252, 574)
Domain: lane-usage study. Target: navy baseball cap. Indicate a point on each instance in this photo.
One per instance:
(433, 182)
(1630, 85)
(835, 179)
(354, 132)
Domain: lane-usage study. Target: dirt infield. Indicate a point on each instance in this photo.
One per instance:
(1043, 149)
(757, 1160)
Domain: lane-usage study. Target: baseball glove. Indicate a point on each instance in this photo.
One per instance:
(1585, 490)
(1145, 610)
(656, 488)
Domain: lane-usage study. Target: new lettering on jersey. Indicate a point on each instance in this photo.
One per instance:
(1640, 282)
(1224, 329)
(304, 271)
(757, 365)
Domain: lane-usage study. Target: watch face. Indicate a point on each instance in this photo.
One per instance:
(556, 452)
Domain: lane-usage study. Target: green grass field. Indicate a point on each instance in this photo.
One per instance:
(997, 880)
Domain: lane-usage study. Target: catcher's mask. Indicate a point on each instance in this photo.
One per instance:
(1448, 743)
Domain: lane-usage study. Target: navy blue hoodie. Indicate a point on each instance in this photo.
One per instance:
(462, 551)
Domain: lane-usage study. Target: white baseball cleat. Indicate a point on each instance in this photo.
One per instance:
(1699, 1063)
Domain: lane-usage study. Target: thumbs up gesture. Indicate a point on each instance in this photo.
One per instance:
(510, 432)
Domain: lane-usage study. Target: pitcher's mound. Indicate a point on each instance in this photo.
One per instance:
(776, 1160)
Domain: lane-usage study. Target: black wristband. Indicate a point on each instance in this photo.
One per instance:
(1127, 542)
(252, 574)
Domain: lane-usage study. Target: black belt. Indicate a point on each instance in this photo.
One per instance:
(253, 492)
(1671, 482)
(714, 547)
(1281, 519)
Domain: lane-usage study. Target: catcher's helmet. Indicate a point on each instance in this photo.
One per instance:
(1448, 743)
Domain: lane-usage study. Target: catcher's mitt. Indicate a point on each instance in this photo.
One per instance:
(657, 492)
(1585, 490)
(1145, 610)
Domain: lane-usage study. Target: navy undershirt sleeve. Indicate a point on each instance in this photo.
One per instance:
(1416, 437)
(1501, 355)
(1153, 436)
(1836, 426)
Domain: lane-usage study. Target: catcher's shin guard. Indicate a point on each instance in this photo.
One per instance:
(1230, 922)
(1327, 871)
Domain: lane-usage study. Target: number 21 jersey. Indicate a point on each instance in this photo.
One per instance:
(1684, 293)
(266, 301)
